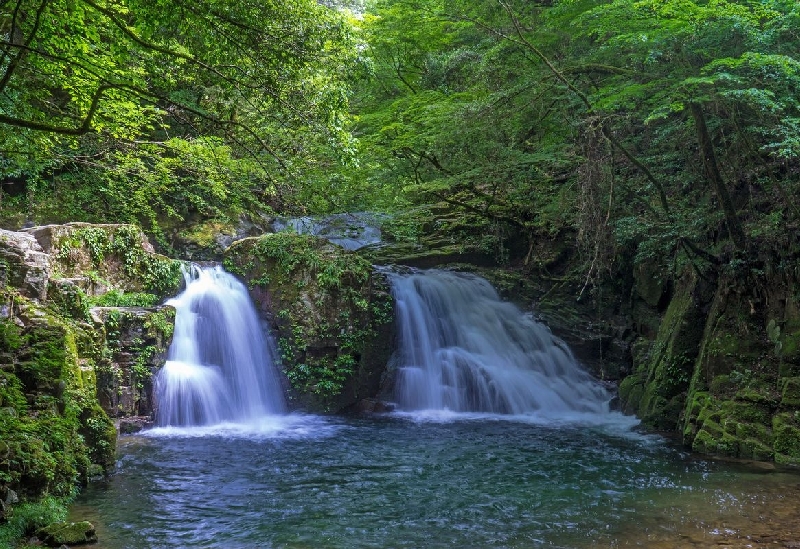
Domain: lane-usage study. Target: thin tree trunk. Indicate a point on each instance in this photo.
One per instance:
(711, 166)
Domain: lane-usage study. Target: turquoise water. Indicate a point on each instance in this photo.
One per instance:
(432, 481)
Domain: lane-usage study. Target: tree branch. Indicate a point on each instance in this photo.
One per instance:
(85, 127)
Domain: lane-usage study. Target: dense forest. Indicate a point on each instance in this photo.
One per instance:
(666, 129)
(642, 154)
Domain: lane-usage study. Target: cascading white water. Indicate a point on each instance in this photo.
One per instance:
(463, 349)
(220, 366)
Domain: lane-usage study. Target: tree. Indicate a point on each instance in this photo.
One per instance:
(82, 81)
(674, 118)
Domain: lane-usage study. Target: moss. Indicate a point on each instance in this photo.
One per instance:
(790, 393)
(757, 393)
(327, 307)
(790, 340)
(668, 367)
(631, 390)
(100, 435)
(745, 411)
(756, 450)
(700, 401)
(753, 431)
(786, 429)
(722, 385)
(717, 443)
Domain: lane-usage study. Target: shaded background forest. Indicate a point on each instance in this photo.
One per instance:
(659, 129)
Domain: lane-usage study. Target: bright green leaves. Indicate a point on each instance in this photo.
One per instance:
(97, 89)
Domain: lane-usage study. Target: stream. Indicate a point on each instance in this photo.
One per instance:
(432, 480)
(501, 440)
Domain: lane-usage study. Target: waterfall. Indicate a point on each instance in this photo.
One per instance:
(220, 367)
(463, 349)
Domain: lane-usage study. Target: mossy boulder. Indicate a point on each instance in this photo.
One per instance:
(67, 533)
(331, 312)
(108, 256)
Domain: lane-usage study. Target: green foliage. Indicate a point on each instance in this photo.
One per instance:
(576, 114)
(120, 298)
(157, 113)
(324, 378)
(326, 307)
(154, 274)
(30, 516)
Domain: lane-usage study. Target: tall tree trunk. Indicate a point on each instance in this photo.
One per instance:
(712, 172)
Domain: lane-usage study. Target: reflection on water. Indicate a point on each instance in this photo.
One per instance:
(417, 482)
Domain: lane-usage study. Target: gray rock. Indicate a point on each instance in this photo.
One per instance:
(23, 264)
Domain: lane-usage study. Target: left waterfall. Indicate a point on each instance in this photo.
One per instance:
(220, 367)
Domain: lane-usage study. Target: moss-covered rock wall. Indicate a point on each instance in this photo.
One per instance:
(330, 310)
(722, 366)
(136, 343)
(53, 433)
(66, 364)
(663, 365)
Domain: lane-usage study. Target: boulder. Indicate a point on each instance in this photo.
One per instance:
(67, 533)
(24, 264)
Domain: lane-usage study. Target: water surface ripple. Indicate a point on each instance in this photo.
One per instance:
(402, 482)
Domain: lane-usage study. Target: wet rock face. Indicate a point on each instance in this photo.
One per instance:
(24, 264)
(330, 312)
(137, 340)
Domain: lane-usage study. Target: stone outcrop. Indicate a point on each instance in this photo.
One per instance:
(331, 313)
(137, 340)
(24, 265)
(100, 257)
(66, 365)
(723, 367)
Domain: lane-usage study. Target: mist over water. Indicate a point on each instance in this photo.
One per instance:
(220, 366)
(462, 349)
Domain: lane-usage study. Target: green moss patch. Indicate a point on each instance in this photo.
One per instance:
(328, 308)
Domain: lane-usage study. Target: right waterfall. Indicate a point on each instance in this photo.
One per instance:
(463, 349)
